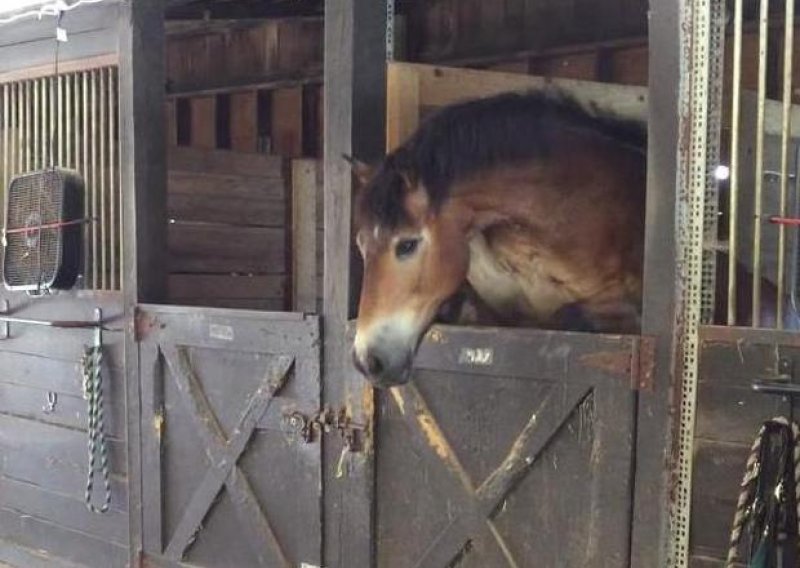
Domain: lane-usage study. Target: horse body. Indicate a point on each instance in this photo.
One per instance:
(531, 204)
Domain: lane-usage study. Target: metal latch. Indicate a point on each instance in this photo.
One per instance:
(309, 428)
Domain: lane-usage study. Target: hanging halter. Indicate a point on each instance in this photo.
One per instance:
(768, 508)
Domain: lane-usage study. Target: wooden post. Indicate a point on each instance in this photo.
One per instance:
(143, 183)
(304, 235)
(355, 101)
(653, 434)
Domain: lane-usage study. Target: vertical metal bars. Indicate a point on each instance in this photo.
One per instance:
(786, 126)
(733, 204)
(70, 121)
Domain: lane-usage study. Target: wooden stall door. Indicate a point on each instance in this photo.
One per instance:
(509, 448)
(227, 478)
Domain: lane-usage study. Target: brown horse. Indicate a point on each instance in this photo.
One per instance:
(530, 203)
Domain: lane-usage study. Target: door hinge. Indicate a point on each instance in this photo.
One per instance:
(308, 429)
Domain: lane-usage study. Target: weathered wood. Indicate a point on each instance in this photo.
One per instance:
(244, 122)
(72, 66)
(234, 186)
(287, 122)
(14, 554)
(143, 167)
(219, 209)
(70, 410)
(653, 436)
(171, 123)
(29, 499)
(223, 162)
(204, 123)
(354, 108)
(305, 184)
(59, 541)
(192, 286)
(262, 244)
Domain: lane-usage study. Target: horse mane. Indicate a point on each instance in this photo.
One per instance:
(466, 138)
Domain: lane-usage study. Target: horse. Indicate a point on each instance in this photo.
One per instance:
(525, 208)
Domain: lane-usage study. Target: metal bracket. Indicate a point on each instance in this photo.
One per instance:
(636, 364)
(783, 383)
(6, 321)
(325, 421)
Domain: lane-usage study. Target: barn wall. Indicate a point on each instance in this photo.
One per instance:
(43, 455)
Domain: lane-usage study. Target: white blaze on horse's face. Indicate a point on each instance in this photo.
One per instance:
(409, 272)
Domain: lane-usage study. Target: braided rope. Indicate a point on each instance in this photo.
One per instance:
(91, 364)
(748, 482)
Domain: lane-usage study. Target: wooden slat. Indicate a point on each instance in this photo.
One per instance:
(255, 212)
(171, 122)
(260, 304)
(62, 510)
(204, 122)
(59, 446)
(287, 122)
(251, 249)
(244, 122)
(305, 191)
(196, 286)
(14, 554)
(70, 409)
(223, 162)
(629, 66)
(59, 541)
(225, 185)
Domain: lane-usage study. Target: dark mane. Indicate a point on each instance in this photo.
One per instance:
(466, 138)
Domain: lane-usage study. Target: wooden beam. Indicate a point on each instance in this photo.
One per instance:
(355, 100)
(653, 432)
(144, 199)
(305, 181)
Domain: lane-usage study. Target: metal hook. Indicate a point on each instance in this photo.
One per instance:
(52, 400)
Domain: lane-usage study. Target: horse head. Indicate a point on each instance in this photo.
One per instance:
(416, 257)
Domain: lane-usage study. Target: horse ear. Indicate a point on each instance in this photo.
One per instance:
(362, 172)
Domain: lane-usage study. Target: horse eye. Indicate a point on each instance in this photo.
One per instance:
(406, 248)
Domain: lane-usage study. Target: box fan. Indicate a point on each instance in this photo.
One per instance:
(42, 233)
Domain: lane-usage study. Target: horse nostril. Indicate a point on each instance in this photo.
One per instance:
(374, 365)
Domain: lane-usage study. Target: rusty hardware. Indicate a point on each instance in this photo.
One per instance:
(635, 364)
(782, 383)
(326, 421)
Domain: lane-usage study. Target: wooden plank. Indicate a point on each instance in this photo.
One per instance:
(243, 212)
(718, 471)
(195, 286)
(287, 122)
(153, 413)
(60, 541)
(72, 66)
(305, 184)
(260, 304)
(244, 122)
(355, 124)
(226, 185)
(581, 66)
(650, 532)
(171, 122)
(143, 159)
(629, 66)
(204, 122)
(32, 500)
(224, 162)
(263, 247)
(402, 104)
(14, 554)
(441, 86)
(70, 410)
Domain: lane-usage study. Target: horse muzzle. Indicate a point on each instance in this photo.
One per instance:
(384, 368)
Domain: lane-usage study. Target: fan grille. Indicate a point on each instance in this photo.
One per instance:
(33, 256)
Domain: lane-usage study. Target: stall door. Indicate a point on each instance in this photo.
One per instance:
(510, 448)
(226, 479)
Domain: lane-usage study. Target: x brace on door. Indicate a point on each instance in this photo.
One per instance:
(474, 507)
(224, 453)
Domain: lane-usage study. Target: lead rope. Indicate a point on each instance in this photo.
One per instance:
(91, 365)
(752, 469)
